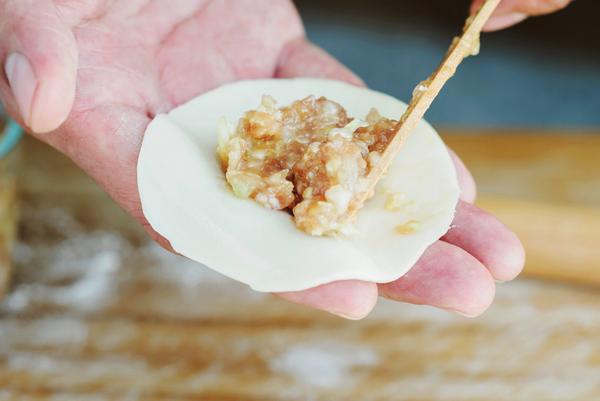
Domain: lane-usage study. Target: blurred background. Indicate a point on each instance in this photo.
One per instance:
(542, 73)
(92, 310)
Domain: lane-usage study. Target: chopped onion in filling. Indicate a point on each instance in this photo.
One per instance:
(309, 158)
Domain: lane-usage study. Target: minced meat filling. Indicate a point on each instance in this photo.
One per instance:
(309, 158)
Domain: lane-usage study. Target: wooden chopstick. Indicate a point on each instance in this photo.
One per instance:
(425, 93)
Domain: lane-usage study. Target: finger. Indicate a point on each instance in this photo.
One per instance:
(529, 7)
(511, 12)
(468, 189)
(488, 240)
(349, 299)
(446, 277)
(300, 58)
(39, 55)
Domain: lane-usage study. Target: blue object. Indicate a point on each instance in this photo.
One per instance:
(11, 135)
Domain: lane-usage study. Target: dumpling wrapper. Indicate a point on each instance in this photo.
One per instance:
(186, 199)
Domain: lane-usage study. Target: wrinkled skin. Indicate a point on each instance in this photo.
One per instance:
(88, 76)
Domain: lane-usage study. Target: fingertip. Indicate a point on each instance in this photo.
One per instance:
(448, 278)
(475, 5)
(351, 299)
(41, 66)
(475, 289)
(23, 83)
(502, 251)
(481, 292)
(55, 95)
(512, 12)
(489, 240)
(499, 22)
(51, 104)
(510, 255)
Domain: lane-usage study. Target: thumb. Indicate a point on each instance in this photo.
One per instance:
(39, 56)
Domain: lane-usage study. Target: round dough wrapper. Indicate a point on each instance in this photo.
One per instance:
(186, 199)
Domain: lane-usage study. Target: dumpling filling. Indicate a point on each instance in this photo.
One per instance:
(309, 158)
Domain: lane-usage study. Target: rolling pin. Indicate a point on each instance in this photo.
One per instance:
(562, 241)
(8, 218)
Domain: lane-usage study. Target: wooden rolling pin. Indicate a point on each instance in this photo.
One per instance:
(562, 241)
(8, 217)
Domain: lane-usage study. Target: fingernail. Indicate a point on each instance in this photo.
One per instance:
(346, 316)
(23, 83)
(469, 315)
(463, 314)
(504, 21)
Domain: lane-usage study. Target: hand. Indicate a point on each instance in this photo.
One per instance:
(511, 12)
(92, 74)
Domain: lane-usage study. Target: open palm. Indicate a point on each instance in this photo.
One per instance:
(92, 74)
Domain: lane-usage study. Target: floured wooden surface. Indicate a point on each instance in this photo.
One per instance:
(98, 313)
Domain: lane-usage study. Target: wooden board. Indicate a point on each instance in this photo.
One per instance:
(99, 313)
